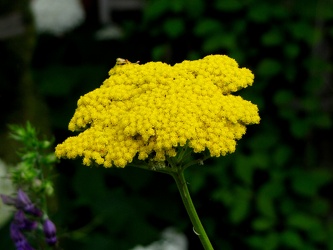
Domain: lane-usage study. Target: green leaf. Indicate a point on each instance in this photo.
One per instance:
(309, 183)
(196, 179)
(244, 169)
(176, 5)
(290, 73)
(246, 165)
(260, 12)
(272, 37)
(300, 221)
(281, 155)
(305, 31)
(291, 50)
(219, 41)
(194, 8)
(263, 223)
(300, 127)
(207, 27)
(322, 120)
(240, 206)
(291, 238)
(223, 195)
(330, 238)
(193, 55)
(266, 196)
(263, 141)
(287, 206)
(260, 160)
(310, 104)
(320, 206)
(324, 10)
(155, 9)
(268, 67)
(159, 51)
(174, 27)
(228, 5)
(239, 27)
(305, 222)
(283, 97)
(269, 241)
(238, 201)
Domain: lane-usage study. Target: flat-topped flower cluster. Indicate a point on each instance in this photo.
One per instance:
(150, 110)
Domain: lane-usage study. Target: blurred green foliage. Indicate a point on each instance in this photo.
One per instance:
(273, 193)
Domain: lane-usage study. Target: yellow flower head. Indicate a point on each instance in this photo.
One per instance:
(149, 110)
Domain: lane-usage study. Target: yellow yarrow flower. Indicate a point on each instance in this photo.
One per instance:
(148, 111)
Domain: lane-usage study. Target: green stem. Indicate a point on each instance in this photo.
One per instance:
(197, 226)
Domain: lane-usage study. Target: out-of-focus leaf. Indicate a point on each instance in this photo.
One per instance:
(177, 5)
(307, 223)
(281, 155)
(291, 50)
(260, 12)
(244, 169)
(302, 221)
(309, 104)
(155, 9)
(270, 241)
(241, 205)
(322, 120)
(159, 51)
(268, 67)
(262, 223)
(292, 239)
(194, 8)
(223, 195)
(287, 206)
(228, 5)
(208, 27)
(174, 27)
(272, 37)
(193, 55)
(219, 41)
(320, 206)
(263, 141)
(309, 183)
(299, 127)
(238, 200)
(283, 96)
(266, 198)
(305, 31)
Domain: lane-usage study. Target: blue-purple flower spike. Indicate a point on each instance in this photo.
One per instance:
(23, 202)
(50, 232)
(20, 241)
(8, 200)
(23, 223)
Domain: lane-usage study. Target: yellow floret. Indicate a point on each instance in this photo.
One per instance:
(148, 111)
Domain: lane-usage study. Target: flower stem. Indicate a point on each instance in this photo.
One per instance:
(184, 193)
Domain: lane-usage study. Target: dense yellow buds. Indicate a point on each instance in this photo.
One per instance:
(149, 110)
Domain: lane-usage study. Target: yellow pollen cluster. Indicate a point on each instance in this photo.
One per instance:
(149, 110)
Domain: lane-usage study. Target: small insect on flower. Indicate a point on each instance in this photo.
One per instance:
(121, 61)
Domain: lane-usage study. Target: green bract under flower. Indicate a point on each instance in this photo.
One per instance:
(147, 111)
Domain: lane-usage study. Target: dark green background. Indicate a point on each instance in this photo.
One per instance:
(275, 192)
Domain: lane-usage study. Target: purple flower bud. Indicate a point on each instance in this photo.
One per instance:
(20, 241)
(22, 198)
(50, 232)
(23, 202)
(7, 199)
(25, 246)
(22, 222)
(15, 233)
